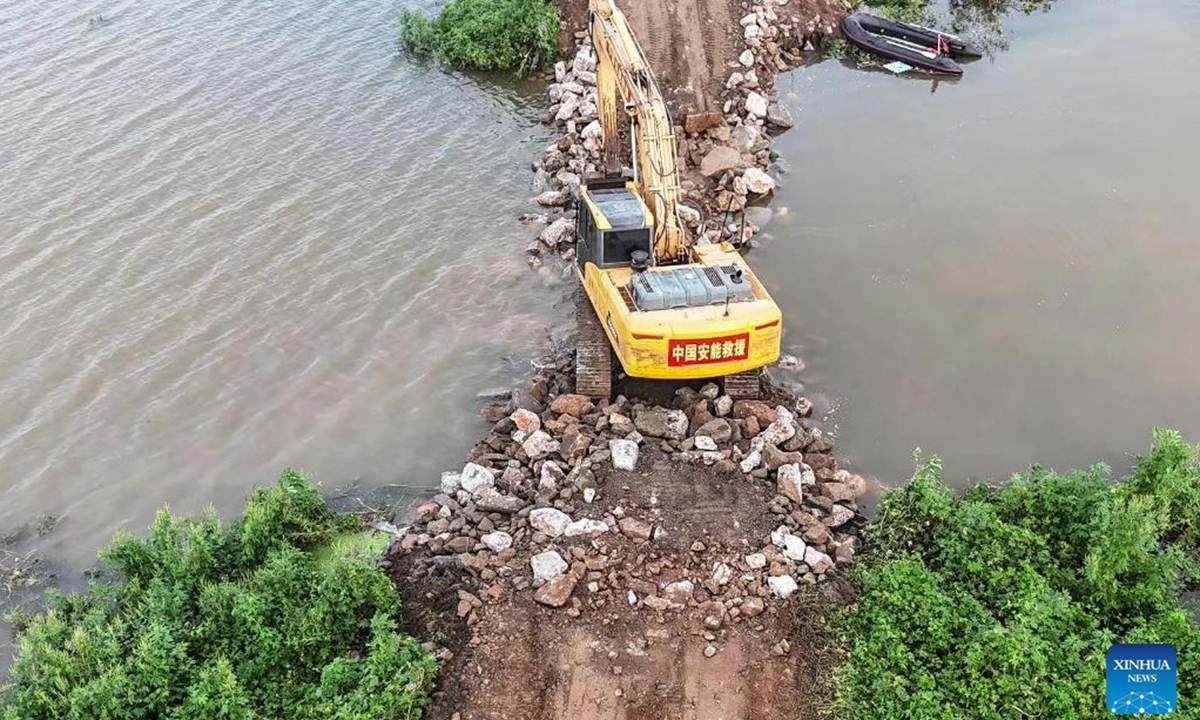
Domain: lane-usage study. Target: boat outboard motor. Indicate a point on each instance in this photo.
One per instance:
(639, 260)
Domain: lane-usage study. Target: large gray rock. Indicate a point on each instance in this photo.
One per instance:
(474, 477)
(662, 423)
(489, 499)
(722, 574)
(539, 445)
(794, 548)
(839, 515)
(624, 454)
(788, 482)
(585, 526)
(547, 565)
(551, 198)
(566, 111)
(549, 521)
(779, 115)
(752, 460)
(756, 104)
(561, 231)
(705, 443)
(497, 541)
(782, 586)
(720, 160)
(718, 429)
(757, 181)
(817, 560)
(585, 60)
(744, 137)
(552, 477)
(784, 427)
(778, 535)
(451, 482)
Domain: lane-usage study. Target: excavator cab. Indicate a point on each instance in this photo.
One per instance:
(613, 226)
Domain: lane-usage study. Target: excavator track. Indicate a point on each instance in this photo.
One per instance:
(744, 385)
(593, 354)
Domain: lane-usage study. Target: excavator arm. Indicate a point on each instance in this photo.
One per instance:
(623, 72)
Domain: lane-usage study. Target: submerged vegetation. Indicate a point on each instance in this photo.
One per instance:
(517, 35)
(254, 619)
(1002, 603)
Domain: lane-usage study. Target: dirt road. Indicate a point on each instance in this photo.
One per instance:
(614, 662)
(691, 44)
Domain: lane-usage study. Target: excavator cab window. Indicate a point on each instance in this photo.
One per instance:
(619, 246)
(612, 226)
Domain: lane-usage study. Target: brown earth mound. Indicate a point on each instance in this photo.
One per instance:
(602, 658)
(692, 45)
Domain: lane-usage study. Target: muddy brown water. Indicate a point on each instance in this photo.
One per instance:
(239, 237)
(1002, 269)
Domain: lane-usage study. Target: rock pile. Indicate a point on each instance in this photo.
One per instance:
(572, 98)
(544, 505)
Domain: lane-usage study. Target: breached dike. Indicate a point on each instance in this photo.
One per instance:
(534, 511)
(524, 514)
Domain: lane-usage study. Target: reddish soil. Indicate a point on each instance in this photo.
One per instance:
(693, 45)
(607, 661)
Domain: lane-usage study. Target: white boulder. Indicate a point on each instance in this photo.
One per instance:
(549, 521)
(547, 566)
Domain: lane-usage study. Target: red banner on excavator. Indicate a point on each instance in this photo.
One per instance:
(705, 351)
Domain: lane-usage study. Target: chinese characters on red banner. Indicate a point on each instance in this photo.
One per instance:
(703, 351)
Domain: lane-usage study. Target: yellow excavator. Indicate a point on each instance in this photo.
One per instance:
(666, 308)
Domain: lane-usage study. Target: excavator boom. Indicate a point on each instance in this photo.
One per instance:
(665, 308)
(623, 71)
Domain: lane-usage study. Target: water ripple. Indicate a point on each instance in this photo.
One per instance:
(239, 236)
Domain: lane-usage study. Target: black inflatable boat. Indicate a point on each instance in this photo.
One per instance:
(912, 44)
(918, 35)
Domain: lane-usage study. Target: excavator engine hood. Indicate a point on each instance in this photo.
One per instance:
(671, 288)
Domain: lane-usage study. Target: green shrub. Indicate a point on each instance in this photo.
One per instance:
(255, 619)
(517, 35)
(1002, 603)
(911, 11)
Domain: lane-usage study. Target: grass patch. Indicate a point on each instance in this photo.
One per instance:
(271, 616)
(1001, 603)
(516, 35)
(910, 11)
